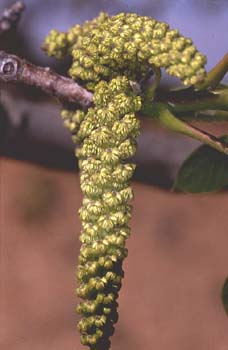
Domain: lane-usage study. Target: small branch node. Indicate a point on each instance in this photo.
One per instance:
(8, 69)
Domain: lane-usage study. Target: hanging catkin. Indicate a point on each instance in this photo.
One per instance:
(109, 53)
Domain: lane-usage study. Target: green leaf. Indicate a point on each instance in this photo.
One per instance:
(205, 170)
(224, 295)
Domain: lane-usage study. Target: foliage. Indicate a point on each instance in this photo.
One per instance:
(224, 295)
(205, 170)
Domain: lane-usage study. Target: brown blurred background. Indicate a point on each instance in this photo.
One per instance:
(178, 248)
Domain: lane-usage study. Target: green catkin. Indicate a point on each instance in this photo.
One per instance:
(108, 54)
(107, 135)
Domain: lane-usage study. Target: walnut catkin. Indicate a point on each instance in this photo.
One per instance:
(107, 134)
(108, 54)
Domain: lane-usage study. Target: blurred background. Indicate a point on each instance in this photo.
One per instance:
(177, 253)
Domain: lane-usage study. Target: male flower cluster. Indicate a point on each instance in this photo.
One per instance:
(108, 54)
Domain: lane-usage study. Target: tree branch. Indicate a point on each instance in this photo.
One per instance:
(216, 99)
(188, 102)
(170, 121)
(11, 16)
(15, 69)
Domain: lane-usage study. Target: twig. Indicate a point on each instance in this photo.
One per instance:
(15, 69)
(216, 99)
(174, 124)
(182, 102)
(11, 16)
